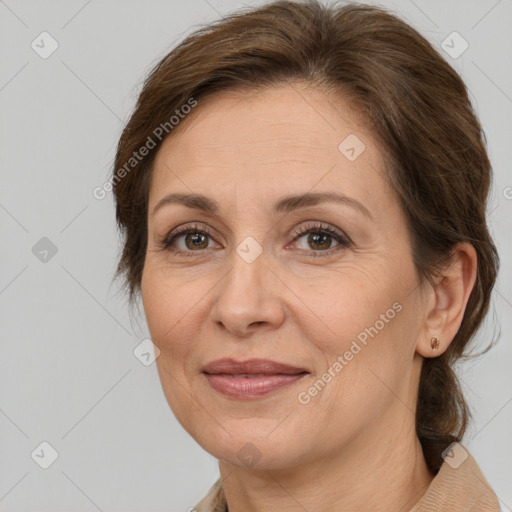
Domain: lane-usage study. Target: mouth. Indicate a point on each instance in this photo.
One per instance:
(251, 379)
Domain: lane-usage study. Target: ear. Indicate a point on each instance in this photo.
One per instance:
(447, 300)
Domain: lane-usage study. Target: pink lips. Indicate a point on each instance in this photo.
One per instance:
(252, 378)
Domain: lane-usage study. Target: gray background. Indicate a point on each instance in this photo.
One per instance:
(68, 375)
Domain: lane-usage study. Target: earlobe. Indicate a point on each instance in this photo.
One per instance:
(434, 343)
(450, 295)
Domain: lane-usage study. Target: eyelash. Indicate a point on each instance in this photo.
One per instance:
(316, 228)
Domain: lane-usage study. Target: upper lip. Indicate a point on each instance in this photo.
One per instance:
(254, 366)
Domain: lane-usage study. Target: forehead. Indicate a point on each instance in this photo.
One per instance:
(276, 118)
(288, 137)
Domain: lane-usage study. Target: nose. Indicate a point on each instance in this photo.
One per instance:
(248, 298)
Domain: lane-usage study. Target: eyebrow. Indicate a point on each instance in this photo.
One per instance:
(284, 205)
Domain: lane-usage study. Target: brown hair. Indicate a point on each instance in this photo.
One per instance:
(418, 109)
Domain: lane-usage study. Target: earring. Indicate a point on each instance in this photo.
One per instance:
(434, 343)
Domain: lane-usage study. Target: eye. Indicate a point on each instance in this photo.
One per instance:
(192, 237)
(319, 236)
(195, 238)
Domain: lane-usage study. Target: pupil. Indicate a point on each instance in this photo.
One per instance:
(314, 238)
(196, 239)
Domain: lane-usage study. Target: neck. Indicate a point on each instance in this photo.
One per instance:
(382, 473)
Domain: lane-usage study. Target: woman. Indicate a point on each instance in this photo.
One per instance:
(302, 195)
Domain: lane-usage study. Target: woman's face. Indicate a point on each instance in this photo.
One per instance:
(341, 302)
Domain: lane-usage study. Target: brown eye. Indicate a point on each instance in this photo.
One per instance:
(319, 239)
(192, 239)
(196, 240)
(186, 240)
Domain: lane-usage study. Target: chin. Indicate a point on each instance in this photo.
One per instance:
(251, 448)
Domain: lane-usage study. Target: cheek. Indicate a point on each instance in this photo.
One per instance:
(338, 306)
(173, 307)
(357, 323)
(163, 306)
(171, 310)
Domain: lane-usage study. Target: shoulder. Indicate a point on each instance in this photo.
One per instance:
(458, 486)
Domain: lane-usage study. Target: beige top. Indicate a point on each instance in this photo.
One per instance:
(453, 489)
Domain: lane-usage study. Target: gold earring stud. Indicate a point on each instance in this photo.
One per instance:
(434, 343)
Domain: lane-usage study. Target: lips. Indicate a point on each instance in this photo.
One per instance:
(250, 379)
(251, 367)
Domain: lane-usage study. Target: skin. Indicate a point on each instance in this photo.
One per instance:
(353, 446)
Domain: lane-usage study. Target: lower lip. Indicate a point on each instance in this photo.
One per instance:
(247, 387)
